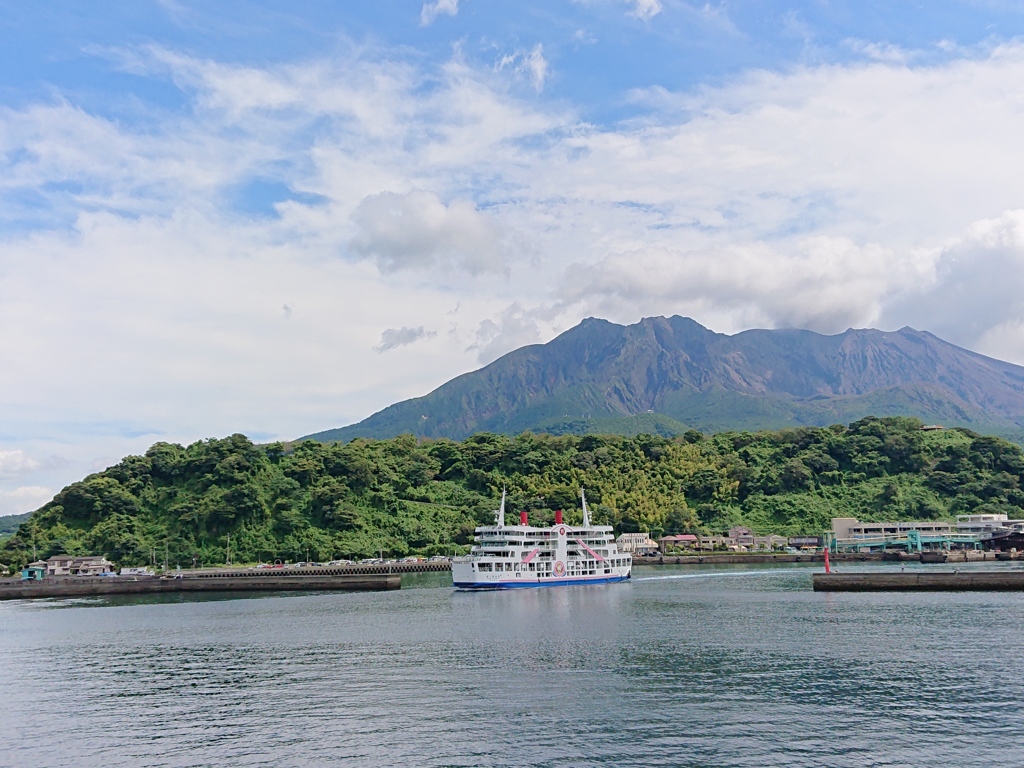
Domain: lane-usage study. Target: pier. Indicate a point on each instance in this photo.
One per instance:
(84, 586)
(944, 581)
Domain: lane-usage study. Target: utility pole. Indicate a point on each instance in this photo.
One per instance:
(228, 559)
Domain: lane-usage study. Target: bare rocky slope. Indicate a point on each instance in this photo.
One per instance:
(666, 375)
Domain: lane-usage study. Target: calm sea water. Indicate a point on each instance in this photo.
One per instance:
(721, 666)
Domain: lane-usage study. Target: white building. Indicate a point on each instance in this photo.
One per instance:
(987, 523)
(851, 529)
(65, 565)
(636, 543)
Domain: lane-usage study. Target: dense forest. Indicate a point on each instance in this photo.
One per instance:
(322, 501)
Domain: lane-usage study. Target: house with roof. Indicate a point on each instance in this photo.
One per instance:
(741, 536)
(34, 571)
(770, 542)
(65, 565)
(678, 541)
(636, 543)
(713, 542)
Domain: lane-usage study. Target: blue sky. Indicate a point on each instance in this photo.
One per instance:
(280, 217)
(598, 51)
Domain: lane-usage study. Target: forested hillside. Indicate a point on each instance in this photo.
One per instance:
(400, 496)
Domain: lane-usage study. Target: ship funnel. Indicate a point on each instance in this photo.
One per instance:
(558, 517)
(523, 518)
(586, 512)
(499, 515)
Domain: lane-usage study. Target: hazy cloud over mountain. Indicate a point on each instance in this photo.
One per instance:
(418, 230)
(393, 338)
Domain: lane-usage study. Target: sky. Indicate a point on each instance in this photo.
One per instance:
(277, 218)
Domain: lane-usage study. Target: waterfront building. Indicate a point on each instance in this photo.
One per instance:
(987, 524)
(800, 542)
(636, 543)
(852, 534)
(65, 565)
(741, 536)
(678, 541)
(713, 542)
(34, 571)
(850, 528)
(769, 542)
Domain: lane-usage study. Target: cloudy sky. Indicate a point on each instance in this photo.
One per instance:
(279, 217)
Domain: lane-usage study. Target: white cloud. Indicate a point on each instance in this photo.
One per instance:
(885, 52)
(972, 295)
(417, 230)
(645, 9)
(431, 11)
(392, 338)
(531, 64)
(823, 283)
(141, 304)
(23, 499)
(514, 328)
(15, 462)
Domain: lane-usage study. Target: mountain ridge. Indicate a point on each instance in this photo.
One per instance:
(674, 367)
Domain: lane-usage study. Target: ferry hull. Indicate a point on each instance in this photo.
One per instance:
(480, 585)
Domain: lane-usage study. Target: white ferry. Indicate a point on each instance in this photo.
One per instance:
(512, 556)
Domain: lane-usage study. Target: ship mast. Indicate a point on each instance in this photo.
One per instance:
(499, 514)
(586, 512)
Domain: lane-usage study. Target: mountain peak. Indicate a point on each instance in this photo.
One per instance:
(600, 375)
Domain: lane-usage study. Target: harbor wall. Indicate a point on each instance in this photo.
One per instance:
(740, 557)
(946, 581)
(960, 556)
(82, 586)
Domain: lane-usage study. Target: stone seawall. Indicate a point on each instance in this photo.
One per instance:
(946, 581)
(89, 587)
(740, 557)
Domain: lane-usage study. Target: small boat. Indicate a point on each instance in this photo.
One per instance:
(516, 556)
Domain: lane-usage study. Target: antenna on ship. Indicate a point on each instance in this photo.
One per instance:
(499, 515)
(586, 512)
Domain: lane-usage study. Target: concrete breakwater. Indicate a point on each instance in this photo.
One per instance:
(80, 586)
(964, 556)
(945, 581)
(740, 558)
(353, 569)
